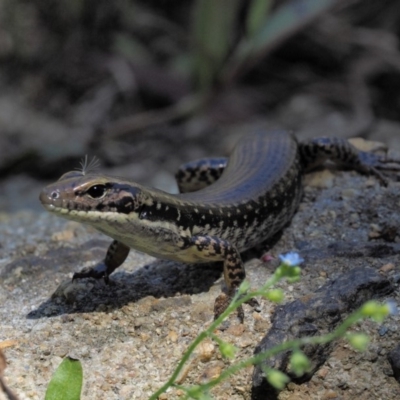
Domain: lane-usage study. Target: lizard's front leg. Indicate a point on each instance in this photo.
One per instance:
(116, 255)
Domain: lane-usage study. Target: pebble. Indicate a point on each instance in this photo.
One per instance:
(330, 394)
(375, 231)
(383, 330)
(173, 336)
(394, 359)
(236, 330)
(212, 372)
(349, 193)
(63, 236)
(367, 145)
(321, 179)
(323, 372)
(205, 350)
(387, 267)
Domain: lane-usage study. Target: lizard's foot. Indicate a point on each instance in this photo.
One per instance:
(97, 272)
(222, 302)
(373, 164)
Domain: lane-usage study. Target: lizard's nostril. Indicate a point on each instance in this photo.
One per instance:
(49, 197)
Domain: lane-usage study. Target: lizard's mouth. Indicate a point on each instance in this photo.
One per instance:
(49, 207)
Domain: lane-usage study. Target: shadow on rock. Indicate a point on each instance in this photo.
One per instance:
(159, 279)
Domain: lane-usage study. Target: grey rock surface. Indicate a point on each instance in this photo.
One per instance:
(315, 315)
(394, 359)
(130, 335)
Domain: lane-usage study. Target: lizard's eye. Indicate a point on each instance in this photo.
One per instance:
(97, 191)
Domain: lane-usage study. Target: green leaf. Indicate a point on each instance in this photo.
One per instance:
(375, 310)
(299, 363)
(66, 383)
(258, 11)
(359, 341)
(228, 350)
(277, 378)
(280, 24)
(275, 295)
(285, 19)
(213, 29)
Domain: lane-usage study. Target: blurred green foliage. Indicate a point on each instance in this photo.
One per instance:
(222, 50)
(214, 24)
(209, 42)
(226, 37)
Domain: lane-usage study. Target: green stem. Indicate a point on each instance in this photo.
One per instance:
(289, 345)
(237, 301)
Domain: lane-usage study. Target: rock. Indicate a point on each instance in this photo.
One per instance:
(394, 359)
(314, 315)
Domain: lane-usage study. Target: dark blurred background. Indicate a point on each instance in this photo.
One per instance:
(147, 85)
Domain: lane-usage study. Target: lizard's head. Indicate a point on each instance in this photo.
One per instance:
(85, 197)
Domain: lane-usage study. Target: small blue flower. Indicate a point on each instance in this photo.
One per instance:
(291, 259)
(392, 307)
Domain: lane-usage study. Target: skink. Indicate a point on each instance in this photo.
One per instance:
(241, 202)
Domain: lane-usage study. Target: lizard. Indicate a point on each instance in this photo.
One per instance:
(226, 205)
